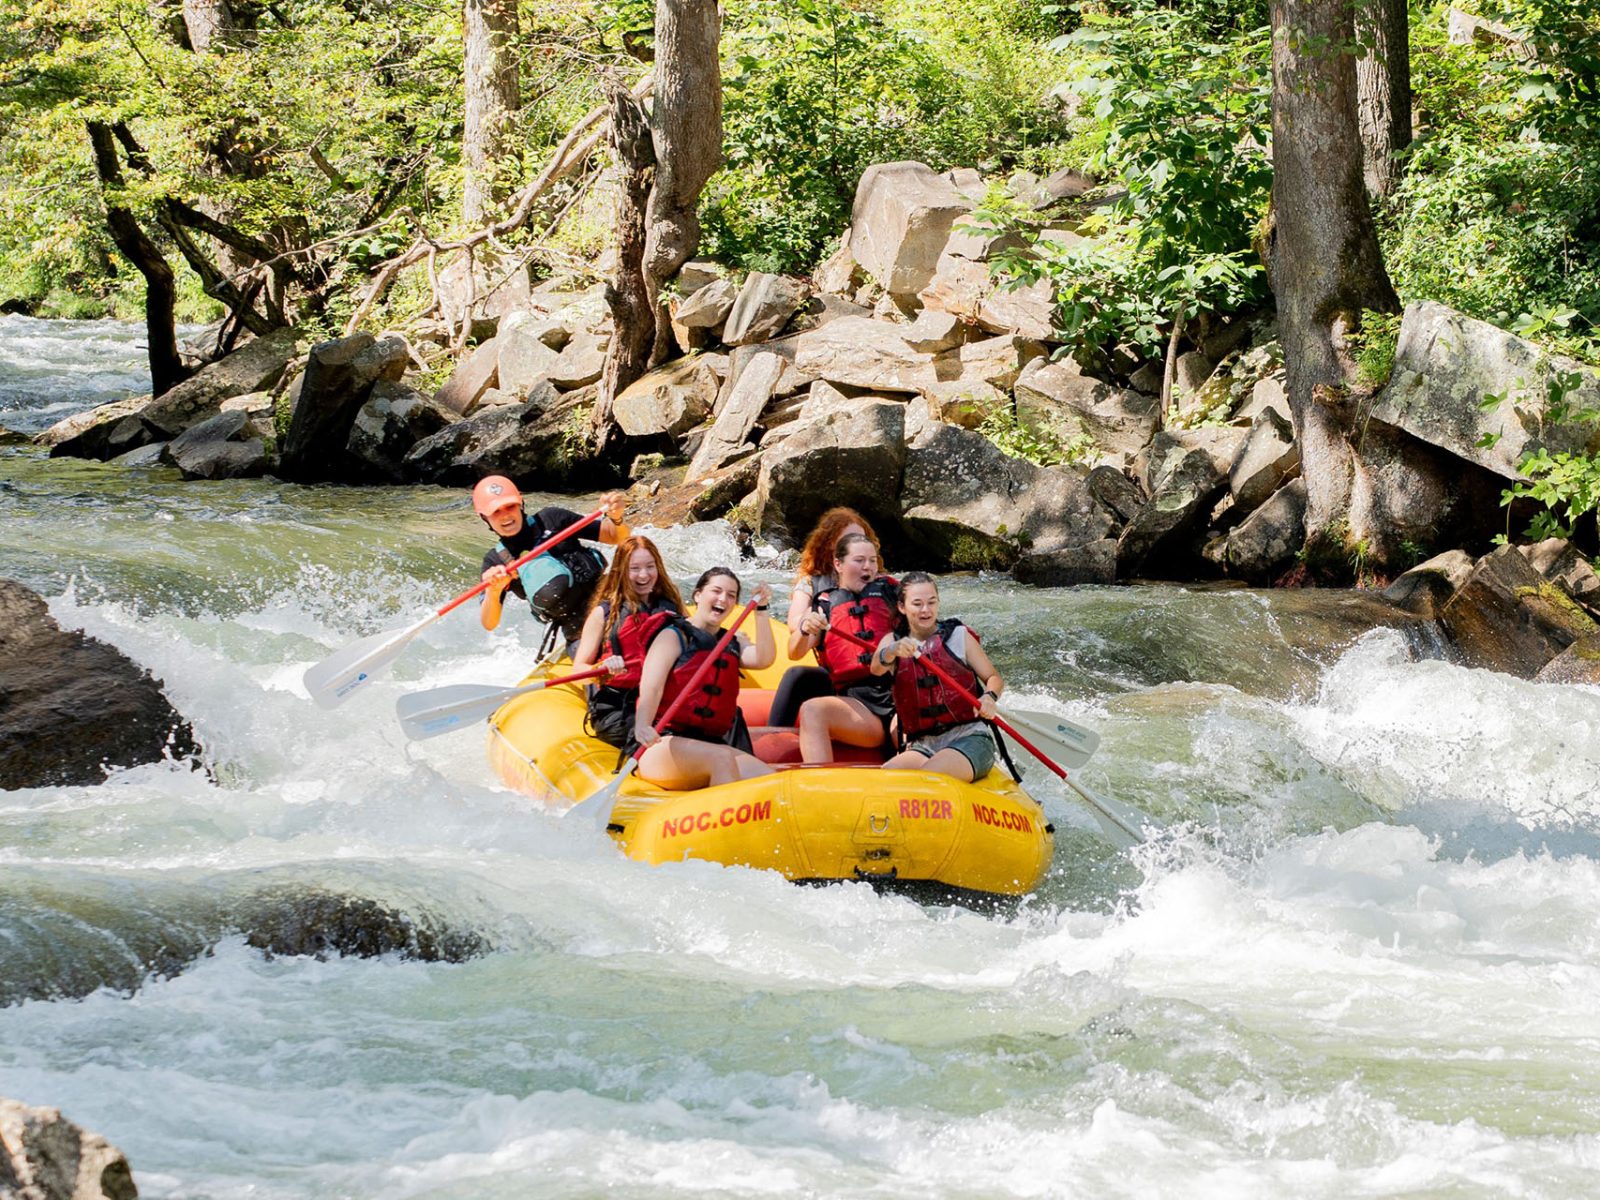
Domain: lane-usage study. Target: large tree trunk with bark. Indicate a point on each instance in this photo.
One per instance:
(1383, 87)
(492, 100)
(1325, 264)
(686, 136)
(160, 293)
(632, 308)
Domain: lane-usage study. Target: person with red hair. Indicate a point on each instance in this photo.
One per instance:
(635, 600)
(814, 577)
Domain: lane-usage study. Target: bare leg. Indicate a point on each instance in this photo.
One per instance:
(946, 762)
(835, 717)
(680, 764)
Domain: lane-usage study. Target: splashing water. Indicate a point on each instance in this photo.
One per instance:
(1362, 961)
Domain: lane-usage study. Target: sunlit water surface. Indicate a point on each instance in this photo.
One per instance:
(1363, 960)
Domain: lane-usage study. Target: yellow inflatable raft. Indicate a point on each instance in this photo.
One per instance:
(912, 831)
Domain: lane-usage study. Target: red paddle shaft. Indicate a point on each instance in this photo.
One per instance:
(569, 531)
(694, 680)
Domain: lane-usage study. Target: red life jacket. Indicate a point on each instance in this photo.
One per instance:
(711, 711)
(631, 638)
(925, 703)
(869, 614)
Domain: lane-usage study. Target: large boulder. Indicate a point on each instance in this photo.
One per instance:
(1559, 561)
(230, 445)
(707, 307)
(1578, 663)
(536, 444)
(1427, 587)
(1264, 545)
(997, 361)
(1185, 482)
(971, 504)
(256, 366)
(103, 432)
(74, 706)
(738, 415)
(394, 419)
(669, 401)
(1447, 365)
(792, 380)
(474, 375)
(1407, 494)
(1057, 397)
(582, 360)
(1092, 563)
(44, 1156)
(964, 285)
(323, 403)
(860, 352)
(526, 352)
(900, 222)
(1507, 617)
(1269, 456)
(849, 455)
(765, 304)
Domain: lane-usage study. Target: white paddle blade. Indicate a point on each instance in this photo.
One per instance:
(332, 681)
(597, 808)
(1070, 745)
(1122, 825)
(443, 710)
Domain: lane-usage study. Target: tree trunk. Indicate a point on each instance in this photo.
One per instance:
(686, 140)
(686, 127)
(1383, 86)
(160, 294)
(632, 308)
(206, 21)
(1325, 263)
(493, 97)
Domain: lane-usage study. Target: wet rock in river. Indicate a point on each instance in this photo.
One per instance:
(72, 706)
(1507, 617)
(44, 1156)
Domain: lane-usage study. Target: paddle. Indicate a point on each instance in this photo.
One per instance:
(1069, 744)
(597, 807)
(1121, 824)
(332, 680)
(442, 710)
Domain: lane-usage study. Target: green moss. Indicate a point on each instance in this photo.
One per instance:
(1553, 596)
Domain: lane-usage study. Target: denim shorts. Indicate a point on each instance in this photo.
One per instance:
(972, 741)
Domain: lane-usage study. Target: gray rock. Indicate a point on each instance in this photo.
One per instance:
(544, 447)
(582, 361)
(227, 446)
(1559, 561)
(323, 403)
(74, 705)
(1068, 183)
(1191, 372)
(839, 274)
(1091, 563)
(934, 331)
(1148, 378)
(1264, 545)
(964, 402)
(1221, 444)
(765, 304)
(95, 433)
(1578, 663)
(394, 419)
(255, 367)
(738, 415)
(1058, 397)
(1269, 456)
(865, 354)
(1446, 364)
(965, 287)
(1427, 587)
(900, 222)
(1507, 617)
(44, 1156)
(1268, 393)
(1116, 492)
(997, 361)
(1185, 484)
(153, 455)
(698, 273)
(525, 358)
(975, 506)
(708, 307)
(852, 455)
(473, 376)
(669, 401)
(792, 380)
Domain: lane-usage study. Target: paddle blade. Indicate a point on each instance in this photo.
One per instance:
(332, 681)
(597, 808)
(1070, 745)
(443, 710)
(1122, 824)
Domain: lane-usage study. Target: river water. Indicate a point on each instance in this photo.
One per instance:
(1363, 959)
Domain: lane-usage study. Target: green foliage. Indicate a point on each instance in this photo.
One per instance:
(1566, 484)
(1041, 446)
(815, 91)
(1374, 346)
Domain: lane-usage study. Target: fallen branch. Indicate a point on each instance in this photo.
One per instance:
(580, 141)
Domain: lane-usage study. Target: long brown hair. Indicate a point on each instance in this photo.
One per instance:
(816, 557)
(613, 590)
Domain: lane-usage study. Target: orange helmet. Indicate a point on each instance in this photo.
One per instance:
(493, 493)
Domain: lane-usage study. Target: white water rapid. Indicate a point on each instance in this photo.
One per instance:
(1364, 960)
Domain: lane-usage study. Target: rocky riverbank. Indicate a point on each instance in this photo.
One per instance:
(890, 380)
(44, 1156)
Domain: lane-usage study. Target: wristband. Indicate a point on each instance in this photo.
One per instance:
(991, 693)
(882, 661)
(762, 607)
